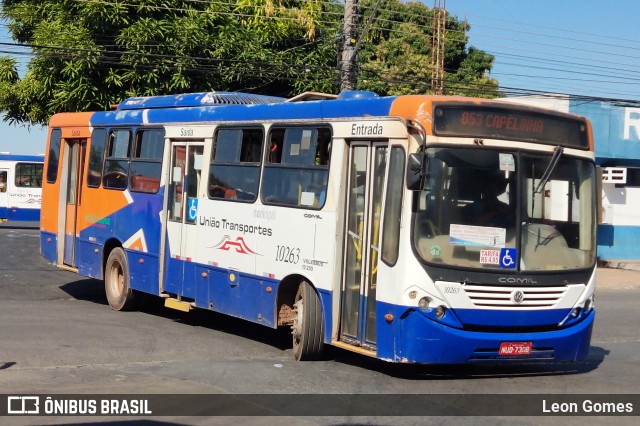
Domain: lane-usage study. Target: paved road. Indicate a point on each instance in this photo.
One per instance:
(59, 336)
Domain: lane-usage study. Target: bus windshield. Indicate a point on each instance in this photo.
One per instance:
(506, 210)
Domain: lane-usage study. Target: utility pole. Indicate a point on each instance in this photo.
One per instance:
(348, 64)
(437, 46)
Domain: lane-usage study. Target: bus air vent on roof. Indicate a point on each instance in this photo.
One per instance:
(197, 100)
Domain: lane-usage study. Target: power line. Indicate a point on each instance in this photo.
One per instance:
(266, 64)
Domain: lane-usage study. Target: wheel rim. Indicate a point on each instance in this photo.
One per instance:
(116, 279)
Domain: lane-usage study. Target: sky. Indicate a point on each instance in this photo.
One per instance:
(16, 138)
(581, 47)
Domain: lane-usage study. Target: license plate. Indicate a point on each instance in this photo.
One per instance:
(515, 348)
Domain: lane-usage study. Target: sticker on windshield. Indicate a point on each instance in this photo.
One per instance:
(507, 163)
(508, 258)
(490, 257)
(482, 236)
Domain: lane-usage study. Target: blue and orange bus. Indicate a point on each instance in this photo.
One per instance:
(20, 187)
(413, 229)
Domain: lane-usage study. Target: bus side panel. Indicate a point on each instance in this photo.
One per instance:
(202, 286)
(189, 280)
(133, 220)
(96, 222)
(213, 290)
(143, 271)
(22, 214)
(89, 259)
(172, 278)
(48, 246)
(243, 296)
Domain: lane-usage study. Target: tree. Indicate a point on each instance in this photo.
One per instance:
(90, 54)
(396, 53)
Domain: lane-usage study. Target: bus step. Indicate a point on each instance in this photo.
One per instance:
(180, 305)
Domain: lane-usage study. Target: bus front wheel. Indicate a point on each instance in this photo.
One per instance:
(116, 281)
(307, 328)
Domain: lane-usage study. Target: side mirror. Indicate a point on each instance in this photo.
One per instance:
(416, 171)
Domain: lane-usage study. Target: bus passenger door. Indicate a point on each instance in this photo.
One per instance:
(365, 186)
(185, 174)
(4, 197)
(71, 187)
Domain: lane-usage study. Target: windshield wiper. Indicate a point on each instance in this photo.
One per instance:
(546, 240)
(557, 153)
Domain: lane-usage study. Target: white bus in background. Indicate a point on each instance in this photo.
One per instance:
(20, 187)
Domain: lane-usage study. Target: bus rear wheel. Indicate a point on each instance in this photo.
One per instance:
(307, 328)
(116, 281)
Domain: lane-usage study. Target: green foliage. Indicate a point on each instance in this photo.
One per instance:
(396, 53)
(90, 54)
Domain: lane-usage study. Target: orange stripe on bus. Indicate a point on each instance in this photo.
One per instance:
(416, 108)
(97, 204)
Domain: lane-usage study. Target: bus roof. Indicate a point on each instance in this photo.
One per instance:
(209, 107)
(176, 109)
(197, 100)
(18, 157)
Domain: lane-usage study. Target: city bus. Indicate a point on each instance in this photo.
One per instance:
(357, 221)
(20, 187)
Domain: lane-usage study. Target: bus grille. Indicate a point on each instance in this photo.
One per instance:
(507, 297)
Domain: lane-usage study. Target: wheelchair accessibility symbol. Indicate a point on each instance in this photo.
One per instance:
(508, 258)
(192, 214)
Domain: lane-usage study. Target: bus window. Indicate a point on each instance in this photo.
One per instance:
(29, 175)
(54, 155)
(146, 163)
(3, 181)
(193, 176)
(234, 172)
(393, 213)
(298, 167)
(179, 161)
(116, 167)
(96, 157)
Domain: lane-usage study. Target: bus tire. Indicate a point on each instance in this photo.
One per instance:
(308, 327)
(116, 281)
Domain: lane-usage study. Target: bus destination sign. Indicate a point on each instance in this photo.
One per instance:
(479, 121)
